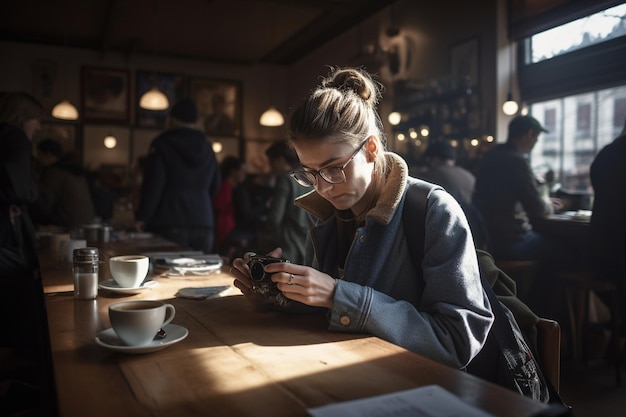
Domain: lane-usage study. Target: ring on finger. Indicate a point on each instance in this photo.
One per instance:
(290, 279)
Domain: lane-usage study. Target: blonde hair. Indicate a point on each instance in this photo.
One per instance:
(19, 107)
(342, 109)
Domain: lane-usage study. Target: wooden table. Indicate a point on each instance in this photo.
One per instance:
(563, 226)
(234, 362)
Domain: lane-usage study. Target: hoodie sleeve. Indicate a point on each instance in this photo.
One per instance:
(152, 186)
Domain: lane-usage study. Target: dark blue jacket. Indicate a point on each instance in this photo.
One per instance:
(180, 180)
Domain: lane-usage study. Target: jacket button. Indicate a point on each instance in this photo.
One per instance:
(344, 320)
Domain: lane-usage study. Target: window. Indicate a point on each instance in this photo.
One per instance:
(587, 123)
(581, 33)
(572, 77)
(583, 120)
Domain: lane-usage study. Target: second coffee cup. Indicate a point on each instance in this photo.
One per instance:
(129, 271)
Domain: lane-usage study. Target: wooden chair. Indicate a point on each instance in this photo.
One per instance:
(523, 272)
(578, 286)
(549, 350)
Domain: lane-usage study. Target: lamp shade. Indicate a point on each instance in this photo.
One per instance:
(65, 111)
(272, 117)
(154, 99)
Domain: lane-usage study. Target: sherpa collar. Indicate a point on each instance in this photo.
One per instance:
(382, 212)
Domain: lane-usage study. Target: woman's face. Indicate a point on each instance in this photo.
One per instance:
(30, 127)
(315, 155)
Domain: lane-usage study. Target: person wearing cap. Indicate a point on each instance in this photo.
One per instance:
(507, 195)
(180, 180)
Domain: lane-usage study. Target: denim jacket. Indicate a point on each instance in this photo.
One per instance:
(448, 318)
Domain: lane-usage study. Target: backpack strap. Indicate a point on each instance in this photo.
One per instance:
(414, 219)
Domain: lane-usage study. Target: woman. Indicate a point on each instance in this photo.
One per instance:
(361, 269)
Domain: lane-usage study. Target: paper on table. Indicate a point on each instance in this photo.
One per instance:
(428, 401)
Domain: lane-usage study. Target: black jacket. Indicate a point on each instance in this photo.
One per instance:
(180, 180)
(18, 190)
(506, 195)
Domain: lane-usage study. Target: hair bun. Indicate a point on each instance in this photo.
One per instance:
(359, 82)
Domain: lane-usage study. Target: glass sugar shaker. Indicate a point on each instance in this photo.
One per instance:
(85, 269)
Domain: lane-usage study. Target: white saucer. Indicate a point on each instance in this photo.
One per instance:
(108, 339)
(113, 286)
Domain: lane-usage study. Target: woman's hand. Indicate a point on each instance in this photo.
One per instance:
(297, 282)
(241, 273)
(303, 284)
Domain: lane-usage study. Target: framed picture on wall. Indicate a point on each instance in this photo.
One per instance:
(464, 62)
(105, 95)
(219, 105)
(172, 85)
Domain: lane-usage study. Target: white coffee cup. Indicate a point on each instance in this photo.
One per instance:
(129, 271)
(137, 322)
(55, 244)
(68, 246)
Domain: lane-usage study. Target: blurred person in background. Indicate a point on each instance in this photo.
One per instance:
(65, 199)
(443, 170)
(181, 179)
(22, 340)
(20, 116)
(287, 225)
(234, 212)
(608, 218)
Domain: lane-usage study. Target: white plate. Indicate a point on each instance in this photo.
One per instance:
(193, 270)
(113, 286)
(108, 339)
(187, 262)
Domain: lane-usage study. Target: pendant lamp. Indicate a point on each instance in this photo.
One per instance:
(154, 99)
(510, 106)
(65, 110)
(272, 117)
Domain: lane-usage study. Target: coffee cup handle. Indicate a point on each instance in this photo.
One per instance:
(172, 310)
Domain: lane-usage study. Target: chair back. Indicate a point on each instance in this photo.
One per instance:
(549, 350)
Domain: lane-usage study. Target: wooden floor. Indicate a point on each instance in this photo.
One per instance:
(591, 390)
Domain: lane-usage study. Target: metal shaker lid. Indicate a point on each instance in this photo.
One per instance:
(86, 255)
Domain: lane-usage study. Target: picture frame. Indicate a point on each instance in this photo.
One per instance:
(105, 95)
(219, 105)
(171, 84)
(464, 63)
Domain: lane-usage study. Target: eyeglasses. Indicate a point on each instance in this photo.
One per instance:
(332, 175)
